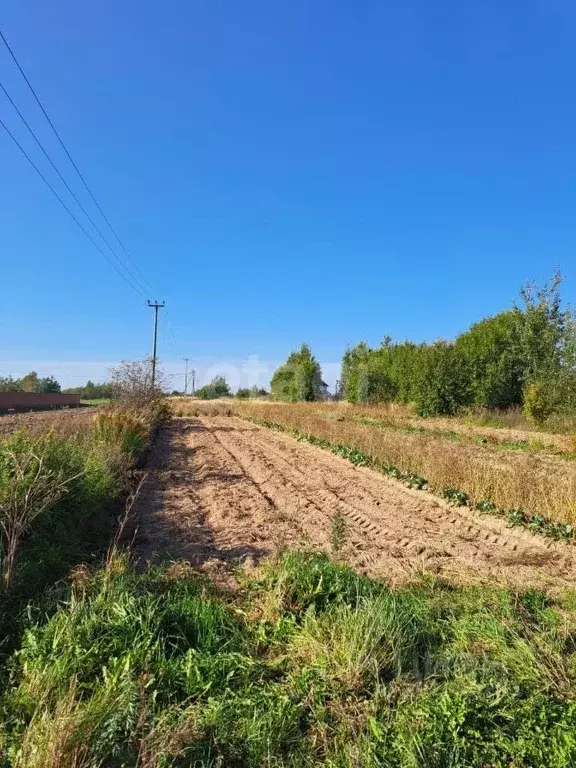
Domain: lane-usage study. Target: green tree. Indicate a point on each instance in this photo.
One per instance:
(537, 405)
(47, 384)
(444, 382)
(8, 384)
(380, 375)
(245, 393)
(91, 391)
(547, 339)
(29, 383)
(218, 387)
(352, 362)
(541, 330)
(300, 378)
(495, 360)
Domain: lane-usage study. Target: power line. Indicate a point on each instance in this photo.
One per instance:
(68, 211)
(54, 166)
(141, 281)
(82, 179)
(173, 342)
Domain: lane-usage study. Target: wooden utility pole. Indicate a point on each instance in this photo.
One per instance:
(186, 377)
(193, 381)
(156, 306)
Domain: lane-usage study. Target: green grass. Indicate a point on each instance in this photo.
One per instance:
(76, 525)
(308, 664)
(97, 401)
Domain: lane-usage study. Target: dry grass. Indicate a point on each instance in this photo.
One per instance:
(403, 417)
(537, 483)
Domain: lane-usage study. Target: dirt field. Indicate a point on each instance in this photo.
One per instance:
(61, 422)
(223, 490)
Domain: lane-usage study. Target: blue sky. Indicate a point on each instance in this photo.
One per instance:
(284, 172)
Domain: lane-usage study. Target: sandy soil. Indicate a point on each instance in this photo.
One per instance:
(223, 490)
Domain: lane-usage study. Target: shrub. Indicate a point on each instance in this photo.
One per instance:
(487, 366)
(245, 393)
(160, 412)
(131, 383)
(443, 384)
(537, 405)
(375, 385)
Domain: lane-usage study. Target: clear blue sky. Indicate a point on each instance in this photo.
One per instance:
(285, 171)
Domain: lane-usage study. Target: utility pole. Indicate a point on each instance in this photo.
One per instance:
(193, 381)
(186, 377)
(156, 306)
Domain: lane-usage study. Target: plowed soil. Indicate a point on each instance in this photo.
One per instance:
(64, 423)
(223, 490)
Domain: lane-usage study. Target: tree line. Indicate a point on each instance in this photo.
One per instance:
(31, 382)
(524, 356)
(92, 391)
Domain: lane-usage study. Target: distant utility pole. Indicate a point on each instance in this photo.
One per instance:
(156, 306)
(193, 381)
(186, 377)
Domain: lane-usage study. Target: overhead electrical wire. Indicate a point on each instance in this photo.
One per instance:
(134, 277)
(68, 211)
(70, 190)
(80, 175)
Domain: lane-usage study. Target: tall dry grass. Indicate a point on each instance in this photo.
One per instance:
(538, 484)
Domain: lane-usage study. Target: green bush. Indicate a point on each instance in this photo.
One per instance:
(126, 430)
(537, 403)
(57, 501)
(245, 393)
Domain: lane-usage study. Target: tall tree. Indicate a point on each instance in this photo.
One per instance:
(300, 378)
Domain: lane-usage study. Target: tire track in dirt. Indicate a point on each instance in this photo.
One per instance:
(228, 489)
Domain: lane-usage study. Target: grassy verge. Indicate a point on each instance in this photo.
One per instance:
(59, 496)
(97, 401)
(307, 664)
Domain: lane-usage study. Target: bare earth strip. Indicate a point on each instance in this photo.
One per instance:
(222, 489)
